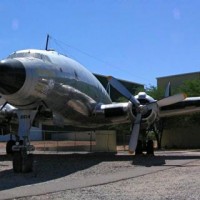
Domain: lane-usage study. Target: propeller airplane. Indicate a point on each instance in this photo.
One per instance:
(34, 82)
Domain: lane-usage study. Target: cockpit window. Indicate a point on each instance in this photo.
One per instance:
(29, 54)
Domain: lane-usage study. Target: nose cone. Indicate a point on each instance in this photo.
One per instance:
(12, 76)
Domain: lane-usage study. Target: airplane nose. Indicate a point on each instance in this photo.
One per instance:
(12, 76)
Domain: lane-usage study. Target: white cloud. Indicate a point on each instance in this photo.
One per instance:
(176, 14)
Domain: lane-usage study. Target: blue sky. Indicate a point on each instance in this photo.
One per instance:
(137, 40)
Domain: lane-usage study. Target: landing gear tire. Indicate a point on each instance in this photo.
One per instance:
(17, 162)
(27, 165)
(150, 148)
(139, 148)
(22, 162)
(9, 146)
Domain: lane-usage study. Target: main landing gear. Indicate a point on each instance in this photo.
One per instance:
(21, 148)
(145, 146)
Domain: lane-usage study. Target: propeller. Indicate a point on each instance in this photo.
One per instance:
(168, 90)
(136, 126)
(119, 87)
(171, 100)
(142, 108)
(135, 133)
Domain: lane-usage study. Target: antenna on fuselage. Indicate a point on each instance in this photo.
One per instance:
(47, 42)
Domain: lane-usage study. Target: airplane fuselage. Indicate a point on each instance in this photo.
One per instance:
(36, 83)
(69, 90)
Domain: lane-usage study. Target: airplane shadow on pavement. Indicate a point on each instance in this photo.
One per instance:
(49, 167)
(159, 160)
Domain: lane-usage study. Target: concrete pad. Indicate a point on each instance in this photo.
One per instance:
(59, 172)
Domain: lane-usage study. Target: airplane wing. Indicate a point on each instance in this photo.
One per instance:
(2, 101)
(189, 105)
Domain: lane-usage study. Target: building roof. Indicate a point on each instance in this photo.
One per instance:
(114, 94)
(121, 80)
(176, 75)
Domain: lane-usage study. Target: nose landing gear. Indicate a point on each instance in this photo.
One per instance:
(22, 156)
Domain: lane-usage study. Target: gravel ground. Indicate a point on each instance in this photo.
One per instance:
(182, 182)
(177, 181)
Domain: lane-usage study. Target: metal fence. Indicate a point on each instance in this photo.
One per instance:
(64, 141)
(85, 141)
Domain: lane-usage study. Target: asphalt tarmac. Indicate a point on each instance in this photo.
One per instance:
(167, 175)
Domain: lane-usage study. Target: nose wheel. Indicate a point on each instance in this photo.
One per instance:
(22, 156)
(9, 146)
(22, 162)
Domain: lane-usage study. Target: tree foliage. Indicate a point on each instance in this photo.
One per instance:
(155, 92)
(191, 87)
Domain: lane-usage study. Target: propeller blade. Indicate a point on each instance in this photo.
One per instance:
(120, 88)
(168, 90)
(135, 133)
(171, 100)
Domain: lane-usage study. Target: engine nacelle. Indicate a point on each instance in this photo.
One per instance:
(37, 81)
(115, 113)
(150, 116)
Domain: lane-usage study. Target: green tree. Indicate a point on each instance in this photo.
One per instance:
(191, 88)
(155, 92)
